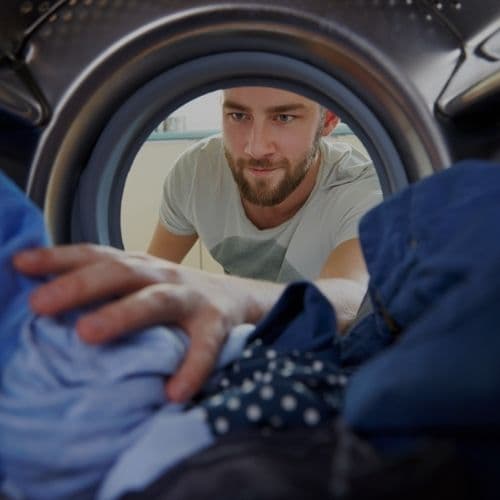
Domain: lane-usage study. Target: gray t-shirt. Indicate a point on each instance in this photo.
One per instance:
(201, 197)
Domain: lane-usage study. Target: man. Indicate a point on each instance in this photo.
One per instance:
(271, 135)
(271, 199)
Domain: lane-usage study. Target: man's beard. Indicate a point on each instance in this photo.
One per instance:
(258, 192)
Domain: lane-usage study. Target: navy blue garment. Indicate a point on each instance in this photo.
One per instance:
(433, 253)
(288, 376)
(301, 319)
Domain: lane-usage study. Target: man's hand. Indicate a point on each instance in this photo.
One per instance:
(145, 291)
(142, 290)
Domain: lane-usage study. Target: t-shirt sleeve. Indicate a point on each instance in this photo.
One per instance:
(355, 201)
(175, 208)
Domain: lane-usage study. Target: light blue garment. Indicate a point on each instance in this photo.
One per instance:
(21, 226)
(69, 411)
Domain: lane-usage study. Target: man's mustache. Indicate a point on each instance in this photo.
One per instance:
(264, 163)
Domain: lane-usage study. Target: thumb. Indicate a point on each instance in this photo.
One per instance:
(198, 364)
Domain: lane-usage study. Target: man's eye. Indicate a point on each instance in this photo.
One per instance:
(237, 117)
(283, 118)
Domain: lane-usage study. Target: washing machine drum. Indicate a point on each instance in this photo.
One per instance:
(84, 82)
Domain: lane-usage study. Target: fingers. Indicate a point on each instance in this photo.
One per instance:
(197, 365)
(153, 305)
(59, 259)
(154, 292)
(87, 285)
(62, 293)
(89, 275)
(164, 304)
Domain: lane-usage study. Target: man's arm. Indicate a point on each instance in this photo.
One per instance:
(344, 280)
(147, 291)
(170, 246)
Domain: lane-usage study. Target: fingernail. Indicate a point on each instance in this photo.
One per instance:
(25, 257)
(92, 328)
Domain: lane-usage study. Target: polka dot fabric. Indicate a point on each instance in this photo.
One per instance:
(287, 376)
(273, 391)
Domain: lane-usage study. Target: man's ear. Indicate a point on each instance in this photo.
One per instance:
(330, 121)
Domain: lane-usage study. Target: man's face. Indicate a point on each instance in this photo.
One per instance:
(271, 139)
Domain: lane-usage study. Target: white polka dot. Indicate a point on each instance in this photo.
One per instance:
(317, 365)
(254, 413)
(342, 380)
(272, 365)
(247, 353)
(236, 368)
(247, 386)
(286, 373)
(216, 400)
(233, 403)
(257, 375)
(271, 354)
(276, 421)
(311, 416)
(266, 392)
(289, 365)
(332, 379)
(224, 382)
(257, 342)
(288, 403)
(267, 378)
(221, 425)
(298, 387)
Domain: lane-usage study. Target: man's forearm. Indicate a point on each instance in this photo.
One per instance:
(345, 296)
(255, 297)
(258, 297)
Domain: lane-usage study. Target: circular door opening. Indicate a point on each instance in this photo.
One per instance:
(97, 208)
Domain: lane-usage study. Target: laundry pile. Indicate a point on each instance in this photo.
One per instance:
(94, 419)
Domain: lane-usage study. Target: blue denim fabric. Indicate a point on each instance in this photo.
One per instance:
(433, 253)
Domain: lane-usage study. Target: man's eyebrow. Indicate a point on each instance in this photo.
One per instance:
(284, 108)
(235, 105)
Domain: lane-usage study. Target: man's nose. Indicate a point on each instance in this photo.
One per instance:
(259, 143)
